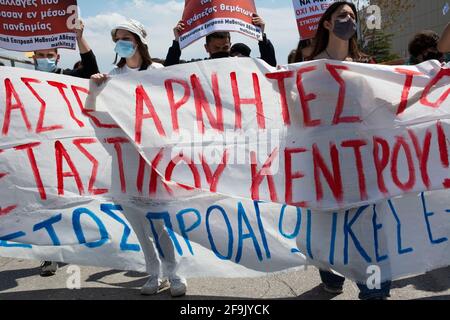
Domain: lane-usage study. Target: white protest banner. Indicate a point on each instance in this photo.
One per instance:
(29, 25)
(308, 14)
(203, 17)
(75, 189)
(217, 237)
(324, 135)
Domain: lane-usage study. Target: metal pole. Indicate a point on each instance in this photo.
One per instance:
(13, 61)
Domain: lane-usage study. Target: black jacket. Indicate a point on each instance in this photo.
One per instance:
(266, 50)
(88, 69)
(173, 55)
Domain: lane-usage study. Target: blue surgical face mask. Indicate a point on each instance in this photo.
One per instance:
(46, 65)
(125, 49)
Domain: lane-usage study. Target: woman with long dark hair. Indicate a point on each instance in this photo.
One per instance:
(336, 36)
(337, 39)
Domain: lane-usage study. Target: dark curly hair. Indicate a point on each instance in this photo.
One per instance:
(422, 41)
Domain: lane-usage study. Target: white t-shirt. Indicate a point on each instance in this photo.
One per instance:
(125, 69)
(95, 89)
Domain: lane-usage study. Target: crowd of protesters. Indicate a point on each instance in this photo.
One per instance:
(336, 39)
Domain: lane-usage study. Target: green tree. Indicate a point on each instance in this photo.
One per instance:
(378, 45)
(392, 18)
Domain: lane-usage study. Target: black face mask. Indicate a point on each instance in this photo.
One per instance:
(219, 55)
(433, 56)
(345, 29)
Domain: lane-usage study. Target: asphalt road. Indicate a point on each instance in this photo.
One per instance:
(20, 279)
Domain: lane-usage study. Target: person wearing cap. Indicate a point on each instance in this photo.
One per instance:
(130, 38)
(47, 60)
(132, 48)
(240, 50)
(218, 44)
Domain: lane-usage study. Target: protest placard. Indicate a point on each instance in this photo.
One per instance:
(29, 25)
(308, 14)
(203, 17)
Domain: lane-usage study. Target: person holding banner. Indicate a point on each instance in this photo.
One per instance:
(47, 60)
(132, 48)
(218, 44)
(336, 39)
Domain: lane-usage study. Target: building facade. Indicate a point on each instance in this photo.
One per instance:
(425, 15)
